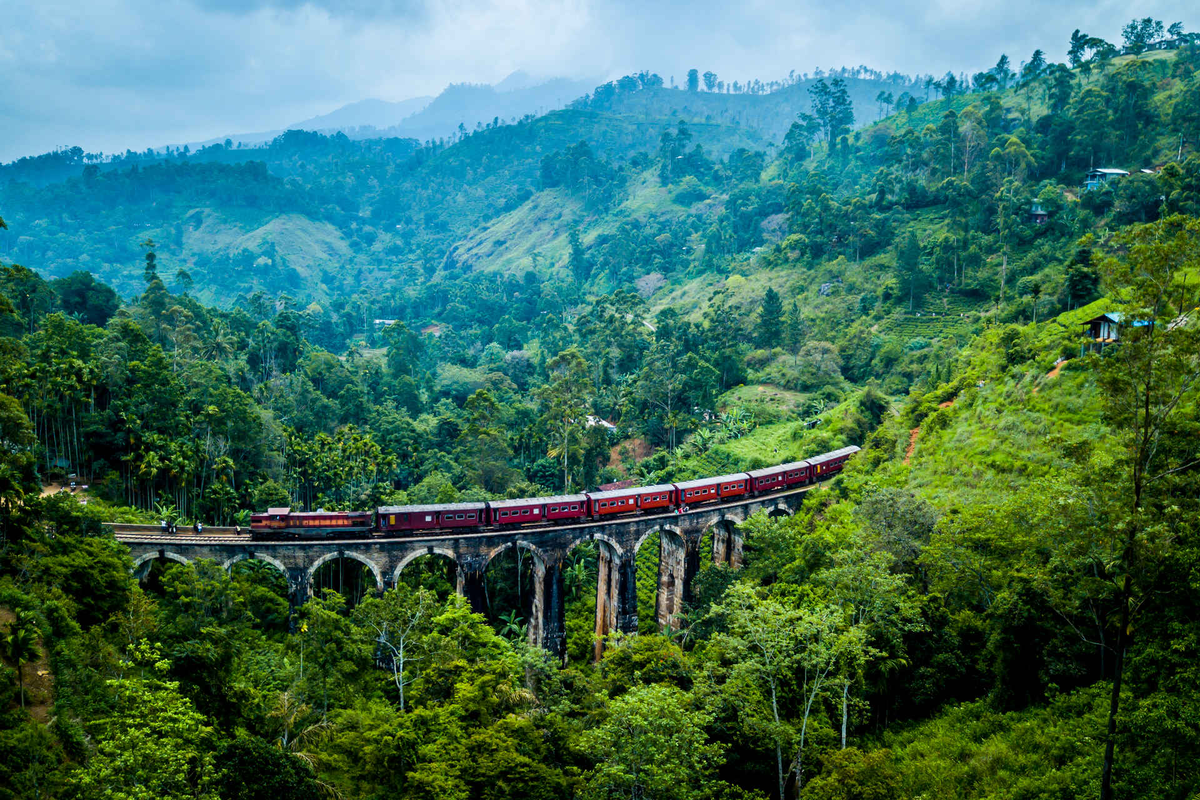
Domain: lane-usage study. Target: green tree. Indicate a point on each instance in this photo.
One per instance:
(397, 622)
(652, 745)
(564, 400)
(150, 273)
(152, 745)
(908, 267)
(763, 635)
(20, 646)
(1152, 376)
(770, 320)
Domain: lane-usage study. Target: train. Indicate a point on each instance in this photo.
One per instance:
(500, 515)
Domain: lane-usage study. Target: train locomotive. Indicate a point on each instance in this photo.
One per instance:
(391, 521)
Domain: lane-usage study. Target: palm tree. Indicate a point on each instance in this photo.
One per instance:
(20, 646)
(220, 345)
(512, 627)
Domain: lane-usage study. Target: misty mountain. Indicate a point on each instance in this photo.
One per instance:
(478, 105)
(424, 118)
(372, 112)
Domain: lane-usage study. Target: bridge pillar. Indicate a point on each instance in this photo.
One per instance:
(672, 579)
(547, 626)
(469, 583)
(299, 587)
(627, 609)
(727, 545)
(616, 596)
(720, 544)
(735, 548)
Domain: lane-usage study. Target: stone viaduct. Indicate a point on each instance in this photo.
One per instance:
(618, 541)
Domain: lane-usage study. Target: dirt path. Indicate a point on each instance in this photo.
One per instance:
(1052, 373)
(912, 444)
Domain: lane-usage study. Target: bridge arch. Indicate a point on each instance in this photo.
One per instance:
(166, 555)
(596, 537)
(518, 544)
(312, 570)
(415, 554)
(659, 529)
(274, 562)
(779, 511)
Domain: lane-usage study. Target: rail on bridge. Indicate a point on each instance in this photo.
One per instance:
(618, 542)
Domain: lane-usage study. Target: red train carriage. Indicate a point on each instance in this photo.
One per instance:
(283, 523)
(830, 463)
(537, 509)
(566, 507)
(784, 476)
(653, 497)
(617, 501)
(404, 519)
(722, 487)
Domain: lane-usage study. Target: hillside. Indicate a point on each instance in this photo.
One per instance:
(996, 599)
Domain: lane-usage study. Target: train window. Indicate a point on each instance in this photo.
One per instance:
(428, 518)
(537, 511)
(504, 513)
(574, 508)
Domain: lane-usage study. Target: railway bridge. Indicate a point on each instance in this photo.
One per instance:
(618, 540)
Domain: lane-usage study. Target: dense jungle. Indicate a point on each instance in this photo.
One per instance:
(998, 598)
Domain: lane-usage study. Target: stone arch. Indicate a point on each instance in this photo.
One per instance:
(415, 554)
(659, 529)
(779, 511)
(312, 570)
(166, 555)
(274, 562)
(597, 537)
(539, 557)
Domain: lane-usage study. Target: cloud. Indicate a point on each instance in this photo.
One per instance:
(115, 74)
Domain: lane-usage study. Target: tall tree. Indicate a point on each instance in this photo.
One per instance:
(770, 320)
(151, 270)
(564, 400)
(1149, 380)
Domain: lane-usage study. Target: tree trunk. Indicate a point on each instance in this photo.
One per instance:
(1106, 792)
(778, 744)
(845, 710)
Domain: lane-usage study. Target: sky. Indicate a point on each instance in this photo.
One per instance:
(107, 75)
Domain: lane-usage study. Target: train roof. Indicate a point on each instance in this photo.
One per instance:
(427, 508)
(709, 481)
(538, 501)
(766, 471)
(327, 513)
(844, 451)
(285, 510)
(634, 490)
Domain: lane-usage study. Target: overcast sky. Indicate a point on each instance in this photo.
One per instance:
(114, 74)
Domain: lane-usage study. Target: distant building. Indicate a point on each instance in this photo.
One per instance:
(597, 422)
(380, 324)
(1099, 177)
(1104, 329)
(1038, 215)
